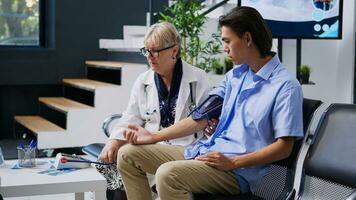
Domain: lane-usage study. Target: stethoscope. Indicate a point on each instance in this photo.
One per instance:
(191, 107)
(151, 112)
(148, 112)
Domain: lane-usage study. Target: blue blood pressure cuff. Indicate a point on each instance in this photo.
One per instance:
(210, 108)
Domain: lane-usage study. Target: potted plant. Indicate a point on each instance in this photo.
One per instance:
(304, 73)
(208, 55)
(186, 16)
(228, 64)
(217, 66)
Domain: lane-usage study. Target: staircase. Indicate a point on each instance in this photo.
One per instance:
(75, 119)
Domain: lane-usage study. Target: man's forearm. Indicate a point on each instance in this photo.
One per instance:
(182, 128)
(278, 150)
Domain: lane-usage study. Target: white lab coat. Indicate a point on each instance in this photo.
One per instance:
(143, 106)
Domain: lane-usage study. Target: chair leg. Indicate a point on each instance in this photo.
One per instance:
(117, 194)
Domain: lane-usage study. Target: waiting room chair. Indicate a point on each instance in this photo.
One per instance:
(329, 167)
(278, 184)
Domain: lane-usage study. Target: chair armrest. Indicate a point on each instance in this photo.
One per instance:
(352, 196)
(108, 121)
(290, 195)
(308, 140)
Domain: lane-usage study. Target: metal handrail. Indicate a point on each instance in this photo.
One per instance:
(212, 8)
(107, 122)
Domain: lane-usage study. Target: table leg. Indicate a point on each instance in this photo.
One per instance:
(98, 195)
(79, 196)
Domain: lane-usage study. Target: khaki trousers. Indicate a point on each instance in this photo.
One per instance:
(176, 178)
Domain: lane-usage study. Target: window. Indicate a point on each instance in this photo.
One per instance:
(20, 23)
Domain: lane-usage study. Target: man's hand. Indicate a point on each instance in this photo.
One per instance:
(210, 128)
(109, 152)
(138, 135)
(217, 160)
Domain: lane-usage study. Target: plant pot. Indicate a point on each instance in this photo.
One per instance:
(219, 70)
(304, 79)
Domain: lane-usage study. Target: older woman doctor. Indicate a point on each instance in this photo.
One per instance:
(164, 94)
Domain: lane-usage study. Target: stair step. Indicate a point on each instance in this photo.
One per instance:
(134, 31)
(86, 84)
(62, 104)
(107, 64)
(105, 71)
(119, 45)
(37, 124)
(80, 92)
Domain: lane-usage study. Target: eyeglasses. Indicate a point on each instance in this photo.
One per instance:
(153, 52)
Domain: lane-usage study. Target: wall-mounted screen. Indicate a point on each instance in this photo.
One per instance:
(300, 18)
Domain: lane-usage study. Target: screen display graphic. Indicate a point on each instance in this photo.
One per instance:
(301, 18)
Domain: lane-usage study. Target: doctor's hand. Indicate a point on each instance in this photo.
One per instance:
(138, 135)
(217, 160)
(109, 152)
(210, 128)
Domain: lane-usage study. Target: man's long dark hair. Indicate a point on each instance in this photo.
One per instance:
(246, 19)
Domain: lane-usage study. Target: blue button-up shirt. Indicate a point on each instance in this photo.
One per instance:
(258, 108)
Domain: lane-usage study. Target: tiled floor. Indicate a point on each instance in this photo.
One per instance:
(69, 196)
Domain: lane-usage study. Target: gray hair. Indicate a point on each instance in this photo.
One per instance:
(164, 34)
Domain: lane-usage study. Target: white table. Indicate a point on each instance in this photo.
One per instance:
(27, 182)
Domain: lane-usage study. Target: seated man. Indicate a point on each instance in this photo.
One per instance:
(261, 117)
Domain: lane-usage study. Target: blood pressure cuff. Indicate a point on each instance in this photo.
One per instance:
(210, 108)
